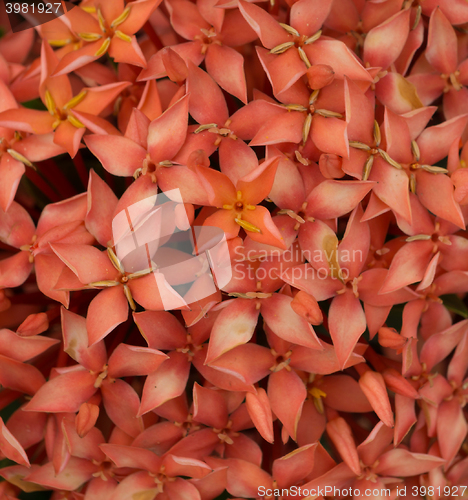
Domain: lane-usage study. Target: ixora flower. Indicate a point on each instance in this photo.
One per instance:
(269, 191)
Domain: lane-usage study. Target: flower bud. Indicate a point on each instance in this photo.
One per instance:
(33, 325)
(389, 337)
(306, 306)
(373, 386)
(320, 75)
(86, 418)
(330, 166)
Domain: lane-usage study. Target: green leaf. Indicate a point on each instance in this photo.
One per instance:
(454, 304)
(35, 104)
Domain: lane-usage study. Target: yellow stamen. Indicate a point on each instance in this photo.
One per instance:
(115, 260)
(415, 150)
(75, 122)
(359, 145)
(434, 170)
(418, 237)
(228, 207)
(128, 294)
(417, 18)
(367, 168)
(289, 29)
(207, 126)
(306, 128)
(119, 20)
(247, 226)
(75, 100)
(282, 47)
(49, 102)
(102, 21)
(377, 135)
(239, 195)
(328, 114)
(304, 57)
(313, 38)
(88, 9)
(90, 37)
(59, 43)
(123, 36)
(103, 48)
(19, 157)
(105, 283)
(389, 160)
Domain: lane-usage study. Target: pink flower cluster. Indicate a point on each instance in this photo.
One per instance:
(327, 141)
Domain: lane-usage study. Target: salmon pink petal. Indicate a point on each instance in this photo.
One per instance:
(372, 281)
(307, 17)
(287, 394)
(64, 393)
(359, 113)
(436, 193)
(14, 271)
(259, 410)
(233, 327)
(166, 134)
(129, 360)
(123, 416)
(209, 407)
(106, 311)
(384, 43)
(269, 233)
(11, 448)
(23, 348)
(392, 187)
(33, 325)
(87, 262)
(342, 437)
(256, 185)
(68, 137)
(347, 323)
(400, 462)
(398, 138)
(186, 181)
(11, 171)
(21, 377)
(451, 423)
(345, 195)
(441, 49)
(160, 329)
(267, 28)
(294, 466)
(135, 458)
(48, 270)
(186, 18)
(27, 120)
(219, 188)
(127, 52)
(434, 142)
(408, 266)
(101, 206)
(139, 13)
(226, 66)
(330, 135)
(286, 127)
(287, 191)
(207, 104)
(237, 160)
(284, 322)
(118, 155)
(166, 383)
(78, 58)
(344, 63)
(373, 385)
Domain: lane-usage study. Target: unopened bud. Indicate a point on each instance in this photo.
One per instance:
(86, 418)
(33, 325)
(320, 75)
(389, 337)
(373, 386)
(306, 306)
(175, 65)
(330, 166)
